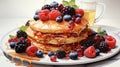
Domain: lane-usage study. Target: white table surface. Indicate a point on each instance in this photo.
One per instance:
(11, 23)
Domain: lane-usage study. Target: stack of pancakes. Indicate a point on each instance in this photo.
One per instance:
(52, 36)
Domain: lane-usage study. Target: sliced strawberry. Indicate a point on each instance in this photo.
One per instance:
(80, 11)
(31, 51)
(90, 52)
(111, 41)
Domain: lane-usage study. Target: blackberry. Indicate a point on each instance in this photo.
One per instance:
(46, 7)
(60, 54)
(21, 33)
(87, 42)
(68, 10)
(20, 48)
(103, 47)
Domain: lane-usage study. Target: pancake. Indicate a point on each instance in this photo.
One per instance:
(52, 26)
(56, 40)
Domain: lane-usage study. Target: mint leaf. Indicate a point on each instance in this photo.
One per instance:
(72, 2)
(65, 3)
(99, 29)
(11, 36)
(23, 28)
(75, 6)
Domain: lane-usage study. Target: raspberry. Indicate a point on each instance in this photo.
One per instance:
(43, 14)
(31, 51)
(54, 14)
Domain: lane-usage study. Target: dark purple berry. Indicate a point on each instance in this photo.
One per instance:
(67, 17)
(50, 53)
(21, 33)
(60, 54)
(73, 55)
(68, 10)
(12, 44)
(46, 7)
(54, 4)
(59, 19)
(97, 52)
(78, 20)
(103, 47)
(79, 15)
(39, 54)
(36, 17)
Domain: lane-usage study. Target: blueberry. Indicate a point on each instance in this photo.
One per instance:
(73, 55)
(21, 33)
(39, 54)
(59, 19)
(67, 17)
(36, 17)
(54, 4)
(36, 12)
(20, 48)
(79, 15)
(46, 7)
(12, 44)
(50, 53)
(60, 54)
(97, 52)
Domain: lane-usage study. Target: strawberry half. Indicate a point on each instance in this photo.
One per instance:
(111, 41)
(90, 52)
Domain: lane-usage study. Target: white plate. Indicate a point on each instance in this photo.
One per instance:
(83, 60)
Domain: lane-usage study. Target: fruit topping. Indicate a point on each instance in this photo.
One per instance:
(46, 7)
(80, 52)
(90, 52)
(71, 25)
(43, 14)
(39, 54)
(54, 14)
(79, 15)
(31, 51)
(12, 44)
(67, 17)
(73, 55)
(50, 53)
(36, 17)
(21, 33)
(60, 54)
(20, 47)
(97, 52)
(54, 4)
(27, 23)
(103, 47)
(60, 7)
(80, 11)
(98, 38)
(68, 10)
(53, 58)
(78, 20)
(111, 41)
(59, 19)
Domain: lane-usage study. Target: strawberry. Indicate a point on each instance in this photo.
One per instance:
(111, 41)
(80, 11)
(43, 15)
(90, 52)
(31, 51)
(54, 14)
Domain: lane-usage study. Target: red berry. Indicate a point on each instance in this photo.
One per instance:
(80, 11)
(53, 58)
(60, 7)
(54, 14)
(111, 41)
(78, 20)
(43, 15)
(13, 40)
(90, 52)
(71, 25)
(31, 51)
(28, 42)
(80, 52)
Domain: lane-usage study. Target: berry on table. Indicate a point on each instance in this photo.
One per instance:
(20, 48)
(60, 54)
(53, 58)
(21, 33)
(97, 52)
(78, 20)
(98, 38)
(12, 44)
(73, 55)
(111, 41)
(54, 14)
(39, 54)
(103, 47)
(67, 17)
(59, 19)
(31, 51)
(50, 53)
(90, 52)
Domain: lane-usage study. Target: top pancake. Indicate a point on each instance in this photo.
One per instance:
(56, 27)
